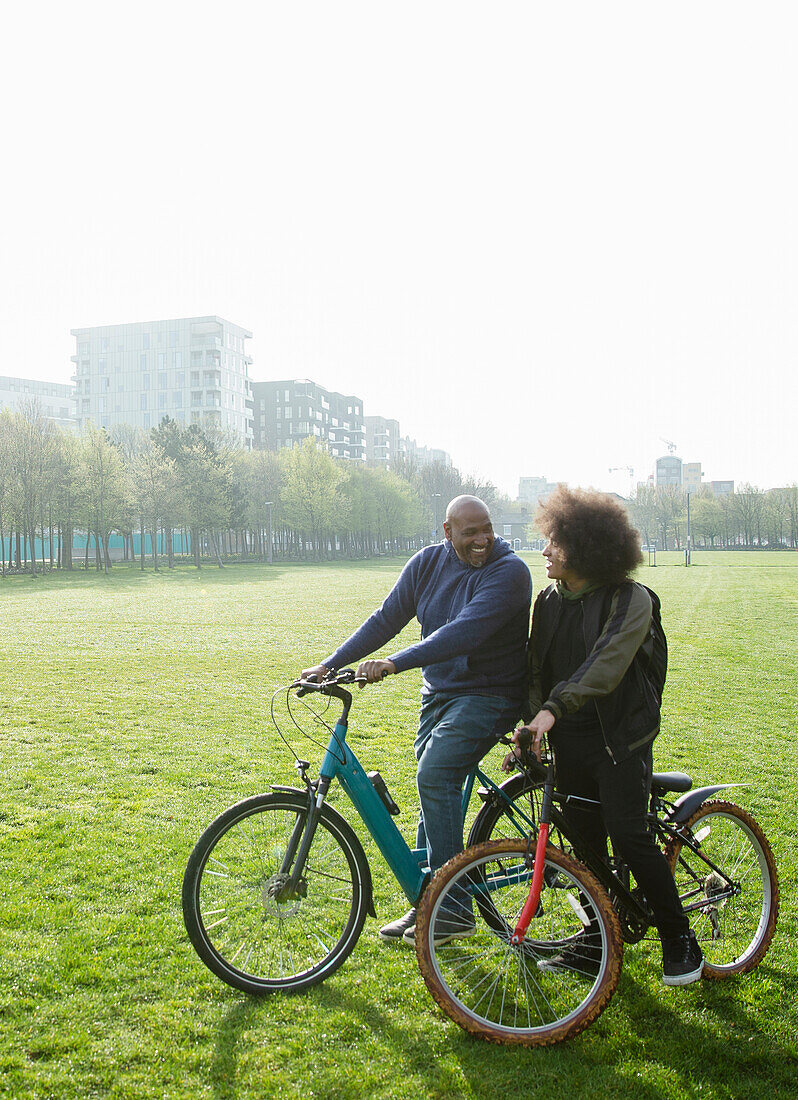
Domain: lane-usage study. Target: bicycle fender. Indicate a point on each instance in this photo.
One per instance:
(686, 806)
(339, 818)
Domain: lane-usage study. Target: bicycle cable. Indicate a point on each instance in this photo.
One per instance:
(317, 717)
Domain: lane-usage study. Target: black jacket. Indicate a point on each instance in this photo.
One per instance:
(616, 621)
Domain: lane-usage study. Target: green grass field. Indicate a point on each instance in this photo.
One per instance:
(135, 708)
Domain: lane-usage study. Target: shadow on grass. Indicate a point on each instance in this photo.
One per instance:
(130, 574)
(711, 1034)
(706, 1039)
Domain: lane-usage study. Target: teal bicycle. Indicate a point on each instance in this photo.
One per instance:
(278, 887)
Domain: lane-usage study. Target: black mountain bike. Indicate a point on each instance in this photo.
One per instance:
(534, 901)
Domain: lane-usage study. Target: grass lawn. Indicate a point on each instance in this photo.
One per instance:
(134, 708)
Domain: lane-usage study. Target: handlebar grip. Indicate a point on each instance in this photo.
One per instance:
(524, 739)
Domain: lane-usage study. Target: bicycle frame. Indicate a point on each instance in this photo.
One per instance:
(622, 898)
(340, 762)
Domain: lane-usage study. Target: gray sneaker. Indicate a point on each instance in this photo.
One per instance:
(447, 927)
(398, 928)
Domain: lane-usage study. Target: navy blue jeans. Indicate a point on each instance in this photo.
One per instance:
(454, 733)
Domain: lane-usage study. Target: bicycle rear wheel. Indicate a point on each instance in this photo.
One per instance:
(734, 932)
(548, 988)
(243, 927)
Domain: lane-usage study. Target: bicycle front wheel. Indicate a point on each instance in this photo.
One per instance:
(546, 989)
(237, 915)
(734, 924)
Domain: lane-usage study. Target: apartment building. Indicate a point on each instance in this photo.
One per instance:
(532, 490)
(291, 410)
(383, 442)
(54, 398)
(194, 370)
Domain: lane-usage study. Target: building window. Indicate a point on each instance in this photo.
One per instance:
(161, 400)
(145, 381)
(142, 401)
(143, 361)
(177, 399)
(162, 380)
(178, 359)
(196, 397)
(161, 360)
(172, 339)
(102, 365)
(180, 380)
(146, 420)
(104, 342)
(145, 340)
(195, 377)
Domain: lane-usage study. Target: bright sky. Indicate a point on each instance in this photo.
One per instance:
(544, 237)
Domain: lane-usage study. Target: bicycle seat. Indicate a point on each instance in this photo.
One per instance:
(662, 782)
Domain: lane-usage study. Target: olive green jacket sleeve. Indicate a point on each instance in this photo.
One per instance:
(624, 632)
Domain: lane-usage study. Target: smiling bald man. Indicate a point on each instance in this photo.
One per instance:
(471, 595)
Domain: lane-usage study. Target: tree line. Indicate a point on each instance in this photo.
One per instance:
(188, 492)
(192, 493)
(749, 518)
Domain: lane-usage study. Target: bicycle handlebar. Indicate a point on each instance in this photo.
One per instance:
(331, 680)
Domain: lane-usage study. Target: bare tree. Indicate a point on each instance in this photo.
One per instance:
(34, 448)
(106, 489)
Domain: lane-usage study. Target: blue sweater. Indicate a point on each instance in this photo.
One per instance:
(474, 623)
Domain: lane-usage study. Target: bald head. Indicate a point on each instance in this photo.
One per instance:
(455, 508)
(469, 529)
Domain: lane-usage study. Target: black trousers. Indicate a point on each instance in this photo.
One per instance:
(584, 768)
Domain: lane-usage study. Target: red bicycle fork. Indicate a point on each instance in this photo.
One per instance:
(533, 899)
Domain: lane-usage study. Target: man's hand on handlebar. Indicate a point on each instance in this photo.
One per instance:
(318, 672)
(373, 671)
(537, 729)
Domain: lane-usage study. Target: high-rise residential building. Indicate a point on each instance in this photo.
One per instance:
(383, 442)
(532, 490)
(54, 398)
(291, 410)
(194, 370)
(668, 470)
(419, 455)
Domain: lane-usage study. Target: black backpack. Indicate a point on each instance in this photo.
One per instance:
(652, 656)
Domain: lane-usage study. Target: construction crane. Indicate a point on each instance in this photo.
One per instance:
(670, 445)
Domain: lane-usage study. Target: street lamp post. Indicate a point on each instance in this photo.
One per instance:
(435, 499)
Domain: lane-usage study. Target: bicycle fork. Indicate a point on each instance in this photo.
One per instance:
(533, 898)
(290, 882)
